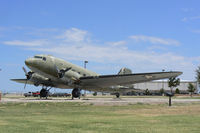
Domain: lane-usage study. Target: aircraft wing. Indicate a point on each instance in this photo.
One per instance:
(103, 81)
(23, 81)
(33, 82)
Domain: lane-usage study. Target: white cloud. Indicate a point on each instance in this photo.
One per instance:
(154, 40)
(26, 43)
(74, 35)
(195, 17)
(190, 18)
(184, 19)
(119, 43)
(196, 31)
(187, 9)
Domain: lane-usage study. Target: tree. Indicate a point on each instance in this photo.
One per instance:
(147, 92)
(191, 89)
(162, 91)
(95, 94)
(173, 82)
(177, 91)
(198, 74)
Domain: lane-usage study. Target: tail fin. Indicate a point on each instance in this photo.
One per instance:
(124, 71)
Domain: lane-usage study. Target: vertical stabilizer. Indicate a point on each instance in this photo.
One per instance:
(124, 71)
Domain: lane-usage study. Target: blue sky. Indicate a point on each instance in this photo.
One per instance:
(145, 36)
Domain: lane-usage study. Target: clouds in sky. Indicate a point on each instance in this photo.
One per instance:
(26, 43)
(154, 40)
(190, 18)
(74, 35)
(77, 44)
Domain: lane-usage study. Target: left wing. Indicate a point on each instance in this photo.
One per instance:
(103, 81)
(34, 82)
(23, 81)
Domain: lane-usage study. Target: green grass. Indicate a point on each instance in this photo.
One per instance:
(78, 117)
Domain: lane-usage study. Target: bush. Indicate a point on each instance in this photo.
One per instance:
(147, 92)
(95, 93)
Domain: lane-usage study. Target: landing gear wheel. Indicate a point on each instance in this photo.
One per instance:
(44, 93)
(76, 93)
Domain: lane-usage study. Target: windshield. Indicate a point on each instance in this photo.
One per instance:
(39, 57)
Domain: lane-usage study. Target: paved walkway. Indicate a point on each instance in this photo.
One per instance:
(102, 101)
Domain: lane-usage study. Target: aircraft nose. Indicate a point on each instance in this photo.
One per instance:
(29, 62)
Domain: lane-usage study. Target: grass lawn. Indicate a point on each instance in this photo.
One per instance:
(73, 117)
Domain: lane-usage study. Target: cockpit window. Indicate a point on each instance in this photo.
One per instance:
(39, 57)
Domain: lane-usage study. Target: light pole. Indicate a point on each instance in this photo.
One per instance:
(85, 62)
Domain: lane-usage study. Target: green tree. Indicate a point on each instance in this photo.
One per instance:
(147, 92)
(191, 89)
(177, 91)
(162, 91)
(173, 82)
(198, 74)
(95, 94)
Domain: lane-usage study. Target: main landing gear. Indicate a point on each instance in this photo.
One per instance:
(76, 93)
(44, 92)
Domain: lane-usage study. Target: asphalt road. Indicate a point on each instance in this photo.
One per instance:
(102, 101)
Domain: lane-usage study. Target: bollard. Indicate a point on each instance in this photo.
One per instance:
(0, 96)
(170, 95)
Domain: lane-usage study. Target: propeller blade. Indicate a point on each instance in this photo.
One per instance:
(67, 69)
(25, 70)
(25, 84)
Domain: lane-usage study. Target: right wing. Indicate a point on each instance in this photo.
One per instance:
(104, 81)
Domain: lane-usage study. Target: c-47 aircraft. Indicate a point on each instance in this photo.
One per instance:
(48, 71)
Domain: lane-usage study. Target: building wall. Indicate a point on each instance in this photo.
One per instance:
(157, 85)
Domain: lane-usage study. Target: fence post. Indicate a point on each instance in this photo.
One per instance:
(0, 96)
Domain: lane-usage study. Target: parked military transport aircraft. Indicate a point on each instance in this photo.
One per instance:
(49, 71)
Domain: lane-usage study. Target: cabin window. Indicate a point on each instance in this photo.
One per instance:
(44, 58)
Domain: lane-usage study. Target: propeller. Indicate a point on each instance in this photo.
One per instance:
(28, 76)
